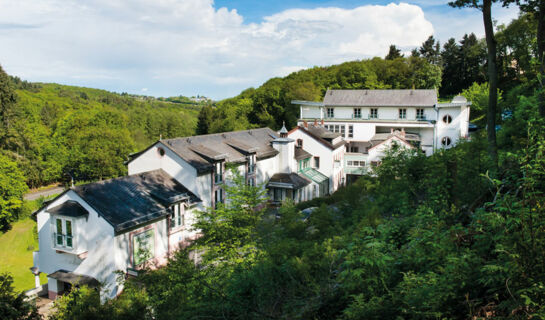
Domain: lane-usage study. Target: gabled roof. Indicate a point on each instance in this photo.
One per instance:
(381, 98)
(130, 201)
(321, 135)
(377, 143)
(201, 151)
(69, 208)
(288, 180)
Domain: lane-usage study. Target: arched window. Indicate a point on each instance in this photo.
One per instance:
(447, 119)
(446, 141)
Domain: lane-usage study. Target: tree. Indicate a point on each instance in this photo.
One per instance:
(13, 306)
(431, 50)
(8, 99)
(205, 120)
(228, 231)
(12, 189)
(393, 53)
(537, 7)
(486, 7)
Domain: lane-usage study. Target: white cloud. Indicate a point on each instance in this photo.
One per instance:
(190, 47)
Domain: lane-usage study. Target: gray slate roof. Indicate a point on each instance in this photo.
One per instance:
(379, 137)
(381, 98)
(130, 201)
(69, 208)
(301, 154)
(292, 179)
(201, 151)
(323, 136)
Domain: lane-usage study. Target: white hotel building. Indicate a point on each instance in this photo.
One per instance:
(369, 120)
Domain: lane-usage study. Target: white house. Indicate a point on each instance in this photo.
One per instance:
(326, 149)
(365, 118)
(89, 232)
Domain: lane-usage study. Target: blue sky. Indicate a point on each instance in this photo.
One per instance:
(217, 49)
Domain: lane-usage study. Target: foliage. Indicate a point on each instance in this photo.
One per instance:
(270, 104)
(12, 189)
(13, 305)
(478, 95)
(86, 133)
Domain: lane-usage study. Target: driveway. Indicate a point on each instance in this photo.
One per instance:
(43, 193)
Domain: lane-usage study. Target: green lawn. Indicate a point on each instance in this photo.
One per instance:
(16, 247)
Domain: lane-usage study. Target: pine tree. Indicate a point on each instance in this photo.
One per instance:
(393, 53)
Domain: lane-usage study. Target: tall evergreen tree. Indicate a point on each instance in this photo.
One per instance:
(204, 120)
(450, 56)
(431, 50)
(393, 53)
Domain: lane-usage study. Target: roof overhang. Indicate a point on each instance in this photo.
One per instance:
(74, 278)
(308, 103)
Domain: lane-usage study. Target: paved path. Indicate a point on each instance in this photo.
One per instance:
(43, 193)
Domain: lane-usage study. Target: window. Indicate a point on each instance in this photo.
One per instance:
(336, 128)
(373, 113)
(300, 142)
(357, 113)
(356, 163)
(317, 162)
(446, 141)
(63, 234)
(177, 217)
(402, 113)
(351, 131)
(218, 172)
(303, 164)
(420, 114)
(375, 163)
(354, 149)
(447, 119)
(277, 194)
(251, 164)
(251, 182)
(143, 246)
(218, 196)
(330, 112)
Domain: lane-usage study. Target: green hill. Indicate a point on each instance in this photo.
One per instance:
(54, 129)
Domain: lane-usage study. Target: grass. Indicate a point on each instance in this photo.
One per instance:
(16, 247)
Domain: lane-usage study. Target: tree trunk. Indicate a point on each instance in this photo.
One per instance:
(540, 53)
(493, 81)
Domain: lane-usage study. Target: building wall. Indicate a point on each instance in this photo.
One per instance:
(327, 164)
(452, 130)
(384, 113)
(95, 233)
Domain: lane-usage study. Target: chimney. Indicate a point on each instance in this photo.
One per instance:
(391, 130)
(305, 124)
(315, 122)
(403, 132)
(322, 122)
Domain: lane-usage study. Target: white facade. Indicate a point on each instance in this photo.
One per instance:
(359, 115)
(97, 251)
(326, 160)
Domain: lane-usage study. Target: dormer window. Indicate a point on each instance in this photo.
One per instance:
(63, 233)
(218, 172)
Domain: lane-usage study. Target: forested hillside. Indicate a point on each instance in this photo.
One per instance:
(50, 133)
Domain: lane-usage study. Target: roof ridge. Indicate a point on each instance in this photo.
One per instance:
(217, 134)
